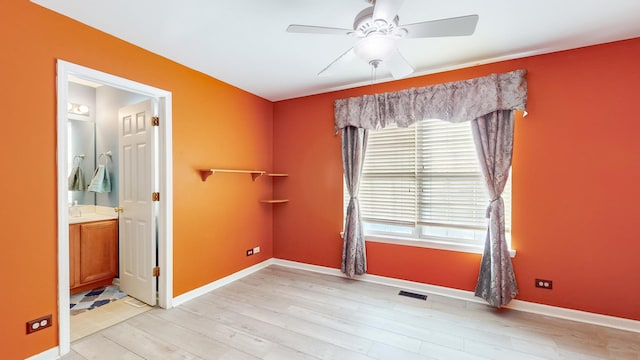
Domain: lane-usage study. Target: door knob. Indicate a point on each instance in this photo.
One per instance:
(118, 209)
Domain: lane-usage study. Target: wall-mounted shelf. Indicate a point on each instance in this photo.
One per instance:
(275, 201)
(205, 173)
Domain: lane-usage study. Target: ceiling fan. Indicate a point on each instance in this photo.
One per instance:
(378, 33)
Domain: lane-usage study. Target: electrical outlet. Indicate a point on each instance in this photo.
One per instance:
(38, 324)
(249, 252)
(544, 284)
(256, 249)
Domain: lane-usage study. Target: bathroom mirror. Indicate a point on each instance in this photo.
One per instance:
(82, 150)
(93, 130)
(81, 115)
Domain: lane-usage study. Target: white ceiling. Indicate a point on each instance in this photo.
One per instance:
(244, 42)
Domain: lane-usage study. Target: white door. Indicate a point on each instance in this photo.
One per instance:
(136, 183)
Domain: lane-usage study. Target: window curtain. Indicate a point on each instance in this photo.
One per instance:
(354, 145)
(493, 137)
(454, 102)
(458, 101)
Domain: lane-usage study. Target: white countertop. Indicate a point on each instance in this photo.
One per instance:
(93, 213)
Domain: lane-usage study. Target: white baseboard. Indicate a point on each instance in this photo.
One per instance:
(181, 299)
(525, 306)
(576, 315)
(50, 354)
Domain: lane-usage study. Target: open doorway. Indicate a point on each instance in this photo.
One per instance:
(156, 174)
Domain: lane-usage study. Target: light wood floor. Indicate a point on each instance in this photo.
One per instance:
(281, 313)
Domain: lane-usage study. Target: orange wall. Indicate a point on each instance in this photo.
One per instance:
(576, 172)
(214, 125)
(577, 147)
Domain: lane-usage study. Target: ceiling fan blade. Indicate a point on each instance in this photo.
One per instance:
(398, 65)
(308, 29)
(329, 70)
(386, 9)
(457, 26)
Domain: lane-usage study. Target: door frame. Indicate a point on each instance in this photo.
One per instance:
(165, 182)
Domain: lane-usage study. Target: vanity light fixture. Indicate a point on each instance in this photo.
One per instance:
(78, 109)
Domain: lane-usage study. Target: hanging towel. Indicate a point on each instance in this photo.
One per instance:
(101, 183)
(76, 178)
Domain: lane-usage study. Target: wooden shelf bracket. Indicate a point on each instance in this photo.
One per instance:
(205, 173)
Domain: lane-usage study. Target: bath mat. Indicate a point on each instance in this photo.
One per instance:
(92, 299)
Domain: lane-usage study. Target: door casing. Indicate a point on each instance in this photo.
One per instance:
(165, 171)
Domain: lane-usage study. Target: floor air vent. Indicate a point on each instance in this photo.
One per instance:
(413, 295)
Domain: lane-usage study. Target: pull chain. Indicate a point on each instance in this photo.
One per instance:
(374, 70)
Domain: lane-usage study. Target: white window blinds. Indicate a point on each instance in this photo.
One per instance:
(388, 183)
(426, 175)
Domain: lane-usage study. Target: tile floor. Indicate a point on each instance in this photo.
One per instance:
(94, 298)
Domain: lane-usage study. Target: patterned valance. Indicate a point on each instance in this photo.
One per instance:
(454, 102)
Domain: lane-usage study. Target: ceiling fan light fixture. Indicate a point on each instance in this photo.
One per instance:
(378, 31)
(375, 47)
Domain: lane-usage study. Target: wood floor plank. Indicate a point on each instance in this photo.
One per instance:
(546, 351)
(375, 328)
(284, 313)
(384, 352)
(419, 324)
(303, 343)
(330, 339)
(144, 344)
(73, 355)
(360, 318)
(439, 352)
(344, 322)
(190, 340)
(495, 351)
(98, 347)
(254, 345)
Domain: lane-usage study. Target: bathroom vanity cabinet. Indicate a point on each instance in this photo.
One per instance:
(93, 254)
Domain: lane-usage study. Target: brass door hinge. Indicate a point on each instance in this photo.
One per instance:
(155, 196)
(156, 271)
(155, 121)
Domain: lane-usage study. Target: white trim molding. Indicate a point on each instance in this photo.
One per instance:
(520, 305)
(427, 243)
(430, 244)
(46, 355)
(181, 299)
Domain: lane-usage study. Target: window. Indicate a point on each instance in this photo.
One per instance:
(424, 183)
